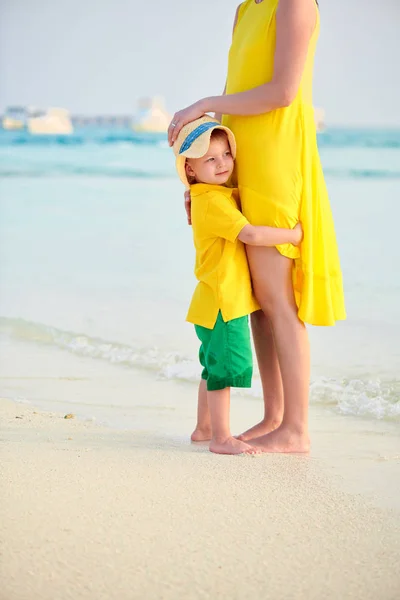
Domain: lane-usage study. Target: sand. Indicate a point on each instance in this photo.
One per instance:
(125, 508)
(92, 513)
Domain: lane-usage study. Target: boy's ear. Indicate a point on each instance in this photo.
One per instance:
(189, 170)
(190, 174)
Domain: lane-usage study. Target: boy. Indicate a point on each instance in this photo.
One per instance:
(223, 299)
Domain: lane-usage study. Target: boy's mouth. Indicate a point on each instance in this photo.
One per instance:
(223, 173)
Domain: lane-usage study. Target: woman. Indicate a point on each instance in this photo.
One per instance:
(268, 104)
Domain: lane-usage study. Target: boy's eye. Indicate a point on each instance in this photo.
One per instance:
(210, 159)
(227, 153)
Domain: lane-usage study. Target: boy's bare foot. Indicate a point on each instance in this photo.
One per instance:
(265, 426)
(283, 439)
(201, 434)
(231, 445)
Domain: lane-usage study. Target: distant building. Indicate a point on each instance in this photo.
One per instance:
(151, 118)
(120, 121)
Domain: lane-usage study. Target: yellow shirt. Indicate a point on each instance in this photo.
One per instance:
(221, 262)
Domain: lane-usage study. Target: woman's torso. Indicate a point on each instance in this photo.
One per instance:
(251, 56)
(269, 145)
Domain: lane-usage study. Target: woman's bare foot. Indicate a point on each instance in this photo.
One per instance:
(265, 426)
(201, 434)
(231, 445)
(283, 439)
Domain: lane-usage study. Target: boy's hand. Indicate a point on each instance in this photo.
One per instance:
(188, 205)
(298, 234)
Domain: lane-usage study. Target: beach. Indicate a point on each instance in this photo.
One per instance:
(96, 276)
(103, 495)
(134, 510)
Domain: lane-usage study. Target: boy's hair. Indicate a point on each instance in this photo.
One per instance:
(216, 134)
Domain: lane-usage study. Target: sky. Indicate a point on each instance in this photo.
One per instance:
(100, 57)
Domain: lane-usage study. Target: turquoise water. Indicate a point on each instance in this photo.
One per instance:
(96, 258)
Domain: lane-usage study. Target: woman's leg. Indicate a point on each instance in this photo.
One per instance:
(270, 374)
(272, 280)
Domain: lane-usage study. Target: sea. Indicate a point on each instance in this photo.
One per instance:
(96, 261)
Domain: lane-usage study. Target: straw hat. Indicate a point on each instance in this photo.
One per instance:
(193, 141)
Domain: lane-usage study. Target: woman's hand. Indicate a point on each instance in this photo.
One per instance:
(182, 117)
(188, 206)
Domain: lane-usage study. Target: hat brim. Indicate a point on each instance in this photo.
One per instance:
(200, 149)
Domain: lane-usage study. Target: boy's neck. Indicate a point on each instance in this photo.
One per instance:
(205, 183)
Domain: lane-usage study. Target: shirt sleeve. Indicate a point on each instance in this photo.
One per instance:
(223, 218)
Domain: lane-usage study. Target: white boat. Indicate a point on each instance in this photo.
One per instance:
(54, 121)
(151, 117)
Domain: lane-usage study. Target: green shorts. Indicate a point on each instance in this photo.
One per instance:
(225, 353)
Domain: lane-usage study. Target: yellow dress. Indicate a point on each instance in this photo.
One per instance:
(278, 166)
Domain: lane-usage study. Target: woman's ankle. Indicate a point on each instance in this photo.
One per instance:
(272, 421)
(299, 428)
(203, 426)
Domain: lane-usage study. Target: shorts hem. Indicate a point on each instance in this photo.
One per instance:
(243, 381)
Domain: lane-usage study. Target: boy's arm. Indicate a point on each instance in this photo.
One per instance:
(253, 235)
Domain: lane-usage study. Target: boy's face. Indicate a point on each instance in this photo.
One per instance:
(214, 167)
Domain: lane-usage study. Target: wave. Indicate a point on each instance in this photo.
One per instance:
(87, 171)
(374, 399)
(333, 138)
(360, 138)
(362, 173)
(82, 136)
(93, 137)
(128, 173)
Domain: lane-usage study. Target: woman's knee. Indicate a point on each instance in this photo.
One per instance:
(270, 304)
(276, 300)
(271, 296)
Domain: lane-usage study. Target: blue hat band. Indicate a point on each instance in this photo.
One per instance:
(192, 137)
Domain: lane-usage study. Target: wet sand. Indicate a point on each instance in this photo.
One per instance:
(91, 513)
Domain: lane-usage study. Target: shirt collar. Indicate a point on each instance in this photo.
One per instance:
(201, 188)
